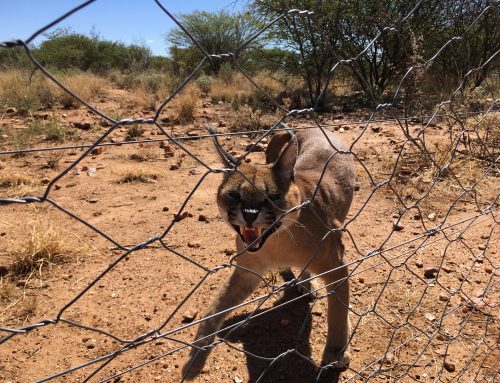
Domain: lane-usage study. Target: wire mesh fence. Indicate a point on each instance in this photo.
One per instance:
(420, 242)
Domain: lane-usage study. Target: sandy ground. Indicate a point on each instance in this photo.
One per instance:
(409, 322)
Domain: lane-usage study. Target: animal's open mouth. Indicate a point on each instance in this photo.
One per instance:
(255, 237)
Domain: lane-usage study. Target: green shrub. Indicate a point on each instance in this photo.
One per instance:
(204, 82)
(64, 49)
(49, 130)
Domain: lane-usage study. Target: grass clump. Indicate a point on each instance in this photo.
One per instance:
(15, 306)
(223, 92)
(239, 91)
(204, 83)
(7, 291)
(134, 132)
(10, 180)
(25, 92)
(53, 160)
(185, 103)
(150, 88)
(84, 84)
(484, 140)
(28, 92)
(138, 175)
(49, 130)
(14, 185)
(41, 250)
(38, 251)
(17, 140)
(144, 154)
(245, 119)
(36, 131)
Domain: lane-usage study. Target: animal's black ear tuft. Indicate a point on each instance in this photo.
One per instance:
(227, 159)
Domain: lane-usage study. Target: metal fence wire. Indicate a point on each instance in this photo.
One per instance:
(416, 313)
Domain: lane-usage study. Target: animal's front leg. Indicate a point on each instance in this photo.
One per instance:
(239, 285)
(336, 353)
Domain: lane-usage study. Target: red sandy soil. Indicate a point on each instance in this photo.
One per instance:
(407, 326)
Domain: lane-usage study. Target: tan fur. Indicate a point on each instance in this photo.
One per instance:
(304, 239)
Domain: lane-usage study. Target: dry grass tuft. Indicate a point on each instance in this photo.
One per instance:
(238, 91)
(341, 85)
(50, 130)
(41, 250)
(9, 180)
(134, 132)
(484, 141)
(271, 83)
(10, 296)
(8, 291)
(185, 103)
(138, 175)
(24, 92)
(223, 92)
(84, 84)
(27, 93)
(424, 163)
(38, 130)
(15, 306)
(149, 88)
(53, 160)
(145, 154)
(246, 120)
(17, 185)
(439, 167)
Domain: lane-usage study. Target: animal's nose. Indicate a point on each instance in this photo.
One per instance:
(250, 215)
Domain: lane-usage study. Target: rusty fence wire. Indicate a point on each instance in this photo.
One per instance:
(407, 337)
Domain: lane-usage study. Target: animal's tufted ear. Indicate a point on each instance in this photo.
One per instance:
(275, 146)
(227, 159)
(284, 151)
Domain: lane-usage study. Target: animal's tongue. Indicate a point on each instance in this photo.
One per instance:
(249, 236)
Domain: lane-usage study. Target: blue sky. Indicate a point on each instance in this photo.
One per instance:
(128, 21)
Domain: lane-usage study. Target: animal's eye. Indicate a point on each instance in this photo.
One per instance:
(234, 195)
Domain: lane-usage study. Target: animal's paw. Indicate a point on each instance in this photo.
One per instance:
(307, 286)
(194, 364)
(336, 359)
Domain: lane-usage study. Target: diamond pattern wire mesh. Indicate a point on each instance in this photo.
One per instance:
(409, 322)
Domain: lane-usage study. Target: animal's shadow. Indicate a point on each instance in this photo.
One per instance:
(268, 338)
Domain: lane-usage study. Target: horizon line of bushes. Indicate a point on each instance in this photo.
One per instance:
(463, 37)
(65, 50)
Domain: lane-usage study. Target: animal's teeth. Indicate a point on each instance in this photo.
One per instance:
(259, 230)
